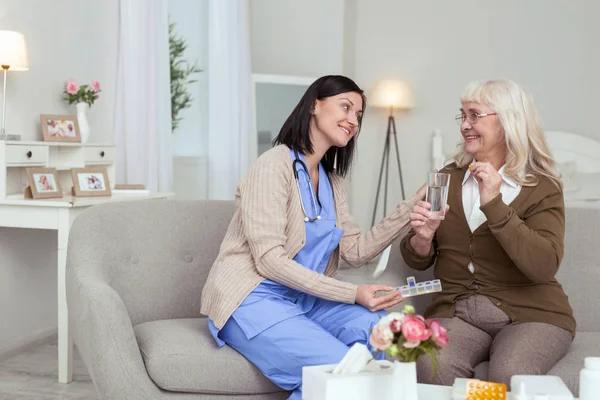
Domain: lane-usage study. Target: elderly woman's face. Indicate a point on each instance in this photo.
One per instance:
(483, 135)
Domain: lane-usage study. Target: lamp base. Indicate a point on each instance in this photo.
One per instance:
(385, 165)
(10, 137)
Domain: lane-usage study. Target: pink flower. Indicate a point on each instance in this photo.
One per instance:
(71, 86)
(414, 329)
(95, 85)
(381, 336)
(411, 345)
(439, 334)
(396, 325)
(388, 318)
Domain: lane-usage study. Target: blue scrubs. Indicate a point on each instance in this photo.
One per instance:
(281, 330)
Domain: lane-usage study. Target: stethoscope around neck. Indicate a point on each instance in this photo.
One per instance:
(317, 215)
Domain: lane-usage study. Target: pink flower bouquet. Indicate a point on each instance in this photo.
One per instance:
(407, 336)
(81, 94)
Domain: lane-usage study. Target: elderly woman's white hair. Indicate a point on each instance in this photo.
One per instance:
(528, 155)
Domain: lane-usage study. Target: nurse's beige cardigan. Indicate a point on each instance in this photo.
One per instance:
(267, 231)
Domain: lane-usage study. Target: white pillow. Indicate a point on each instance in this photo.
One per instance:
(589, 187)
(568, 172)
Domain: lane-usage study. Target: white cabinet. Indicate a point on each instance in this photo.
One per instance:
(15, 156)
(26, 155)
(99, 154)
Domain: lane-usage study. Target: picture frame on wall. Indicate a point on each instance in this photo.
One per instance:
(43, 183)
(90, 181)
(60, 128)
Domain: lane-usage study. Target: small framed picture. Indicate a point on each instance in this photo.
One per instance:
(43, 183)
(90, 182)
(60, 128)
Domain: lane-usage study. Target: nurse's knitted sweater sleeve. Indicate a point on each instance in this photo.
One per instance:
(264, 206)
(358, 249)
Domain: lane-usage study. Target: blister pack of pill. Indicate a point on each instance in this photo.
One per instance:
(474, 389)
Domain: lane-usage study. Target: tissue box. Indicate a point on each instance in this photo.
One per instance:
(318, 383)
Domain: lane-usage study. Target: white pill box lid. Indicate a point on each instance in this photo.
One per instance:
(553, 386)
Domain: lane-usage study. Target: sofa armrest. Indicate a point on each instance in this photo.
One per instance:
(103, 334)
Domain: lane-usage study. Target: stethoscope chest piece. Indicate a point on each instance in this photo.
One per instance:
(306, 219)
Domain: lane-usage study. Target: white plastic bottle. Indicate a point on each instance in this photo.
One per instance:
(589, 379)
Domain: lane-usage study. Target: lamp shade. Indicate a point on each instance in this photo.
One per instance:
(391, 93)
(13, 51)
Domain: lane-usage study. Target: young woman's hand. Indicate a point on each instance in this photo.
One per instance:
(422, 191)
(366, 296)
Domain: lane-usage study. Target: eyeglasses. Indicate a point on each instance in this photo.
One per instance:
(473, 118)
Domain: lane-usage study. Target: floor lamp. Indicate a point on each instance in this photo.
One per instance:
(391, 95)
(13, 56)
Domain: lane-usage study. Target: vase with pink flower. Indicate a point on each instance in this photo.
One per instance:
(83, 97)
(406, 336)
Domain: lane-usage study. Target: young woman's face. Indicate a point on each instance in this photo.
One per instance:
(337, 118)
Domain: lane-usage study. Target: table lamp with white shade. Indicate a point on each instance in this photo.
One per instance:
(13, 56)
(392, 95)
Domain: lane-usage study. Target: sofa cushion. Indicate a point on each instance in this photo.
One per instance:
(481, 371)
(181, 355)
(586, 344)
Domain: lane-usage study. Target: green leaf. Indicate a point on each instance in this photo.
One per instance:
(181, 72)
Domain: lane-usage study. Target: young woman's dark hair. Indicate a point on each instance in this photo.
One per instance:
(295, 132)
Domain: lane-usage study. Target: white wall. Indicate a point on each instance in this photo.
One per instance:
(302, 38)
(438, 47)
(65, 38)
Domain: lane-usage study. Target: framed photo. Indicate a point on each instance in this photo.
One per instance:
(90, 182)
(43, 183)
(60, 128)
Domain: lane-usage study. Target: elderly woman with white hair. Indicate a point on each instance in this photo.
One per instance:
(500, 245)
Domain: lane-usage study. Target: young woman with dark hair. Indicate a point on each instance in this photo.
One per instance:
(270, 294)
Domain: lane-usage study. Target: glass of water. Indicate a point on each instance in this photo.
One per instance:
(437, 193)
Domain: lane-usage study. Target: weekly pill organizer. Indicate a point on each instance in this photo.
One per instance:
(418, 288)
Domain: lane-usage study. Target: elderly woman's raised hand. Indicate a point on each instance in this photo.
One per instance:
(488, 179)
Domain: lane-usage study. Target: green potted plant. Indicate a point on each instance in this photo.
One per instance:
(181, 76)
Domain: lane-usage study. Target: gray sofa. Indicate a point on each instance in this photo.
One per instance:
(135, 271)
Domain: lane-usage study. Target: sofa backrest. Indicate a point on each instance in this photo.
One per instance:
(156, 254)
(579, 273)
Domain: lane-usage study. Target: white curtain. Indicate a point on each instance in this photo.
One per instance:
(229, 96)
(143, 107)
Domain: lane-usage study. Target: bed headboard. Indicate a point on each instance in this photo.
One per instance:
(568, 147)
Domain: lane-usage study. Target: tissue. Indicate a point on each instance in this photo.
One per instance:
(357, 359)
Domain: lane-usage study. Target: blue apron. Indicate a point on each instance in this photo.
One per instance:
(271, 302)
